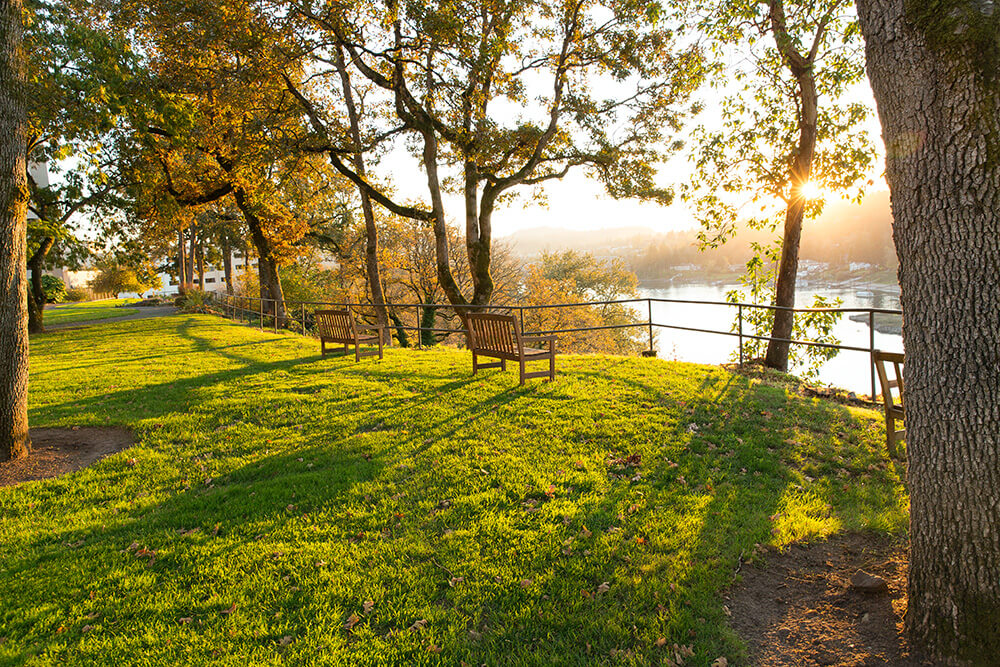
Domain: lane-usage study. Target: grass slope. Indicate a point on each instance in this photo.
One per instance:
(88, 311)
(275, 497)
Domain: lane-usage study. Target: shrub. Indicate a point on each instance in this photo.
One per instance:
(54, 289)
(77, 294)
(196, 301)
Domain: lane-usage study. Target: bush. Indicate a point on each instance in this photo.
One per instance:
(77, 294)
(54, 289)
(196, 301)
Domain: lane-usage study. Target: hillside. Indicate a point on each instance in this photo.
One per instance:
(280, 508)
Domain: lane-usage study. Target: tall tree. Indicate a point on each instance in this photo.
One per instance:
(935, 70)
(14, 439)
(788, 136)
(499, 95)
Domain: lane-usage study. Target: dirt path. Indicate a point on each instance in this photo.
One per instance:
(797, 608)
(57, 451)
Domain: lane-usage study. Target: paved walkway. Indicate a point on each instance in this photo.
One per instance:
(144, 313)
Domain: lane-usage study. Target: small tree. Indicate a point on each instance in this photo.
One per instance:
(115, 279)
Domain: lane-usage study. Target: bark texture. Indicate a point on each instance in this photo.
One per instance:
(801, 66)
(14, 441)
(941, 128)
(36, 296)
(371, 231)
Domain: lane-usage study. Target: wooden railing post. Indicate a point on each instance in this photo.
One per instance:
(871, 349)
(740, 316)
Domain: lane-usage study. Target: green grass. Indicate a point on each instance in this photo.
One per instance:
(88, 311)
(481, 519)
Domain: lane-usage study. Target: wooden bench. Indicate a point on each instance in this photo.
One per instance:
(499, 337)
(893, 410)
(340, 327)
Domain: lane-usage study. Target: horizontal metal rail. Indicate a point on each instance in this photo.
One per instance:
(264, 309)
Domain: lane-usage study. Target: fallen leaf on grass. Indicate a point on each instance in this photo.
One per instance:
(185, 620)
(661, 642)
(351, 621)
(417, 625)
(526, 582)
(227, 612)
(434, 648)
(603, 588)
(455, 580)
(720, 662)
(285, 641)
(475, 636)
(86, 628)
(368, 606)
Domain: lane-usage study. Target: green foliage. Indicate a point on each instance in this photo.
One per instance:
(282, 492)
(54, 289)
(75, 294)
(115, 279)
(575, 277)
(757, 288)
(197, 301)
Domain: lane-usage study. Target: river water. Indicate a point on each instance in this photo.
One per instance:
(848, 370)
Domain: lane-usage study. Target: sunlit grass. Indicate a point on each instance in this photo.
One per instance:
(443, 517)
(88, 311)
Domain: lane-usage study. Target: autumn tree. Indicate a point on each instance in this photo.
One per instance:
(790, 133)
(14, 438)
(571, 277)
(935, 71)
(496, 96)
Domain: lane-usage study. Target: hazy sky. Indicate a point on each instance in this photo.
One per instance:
(579, 203)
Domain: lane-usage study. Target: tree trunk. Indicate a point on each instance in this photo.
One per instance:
(14, 439)
(937, 95)
(201, 264)
(181, 267)
(788, 266)
(190, 258)
(267, 268)
(371, 231)
(227, 262)
(36, 295)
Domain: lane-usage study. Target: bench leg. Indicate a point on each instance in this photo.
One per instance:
(379, 343)
(322, 348)
(522, 371)
(475, 363)
(552, 367)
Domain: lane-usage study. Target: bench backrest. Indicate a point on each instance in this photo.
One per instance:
(497, 333)
(337, 324)
(895, 359)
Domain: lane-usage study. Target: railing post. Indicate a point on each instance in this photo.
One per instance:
(741, 332)
(420, 334)
(260, 322)
(649, 321)
(274, 314)
(520, 310)
(303, 320)
(871, 349)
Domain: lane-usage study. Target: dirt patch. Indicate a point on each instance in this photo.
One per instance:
(796, 608)
(57, 451)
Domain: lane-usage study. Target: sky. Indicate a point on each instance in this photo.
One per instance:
(580, 203)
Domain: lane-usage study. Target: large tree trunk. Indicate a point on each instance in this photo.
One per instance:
(201, 264)
(14, 440)
(190, 258)
(267, 268)
(371, 231)
(938, 96)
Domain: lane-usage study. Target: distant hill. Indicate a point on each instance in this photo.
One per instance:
(846, 233)
(530, 242)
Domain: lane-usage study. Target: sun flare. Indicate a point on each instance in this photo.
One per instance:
(811, 190)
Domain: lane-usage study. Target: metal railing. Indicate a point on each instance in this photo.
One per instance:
(298, 315)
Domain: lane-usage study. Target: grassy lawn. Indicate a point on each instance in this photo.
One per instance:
(281, 508)
(87, 311)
